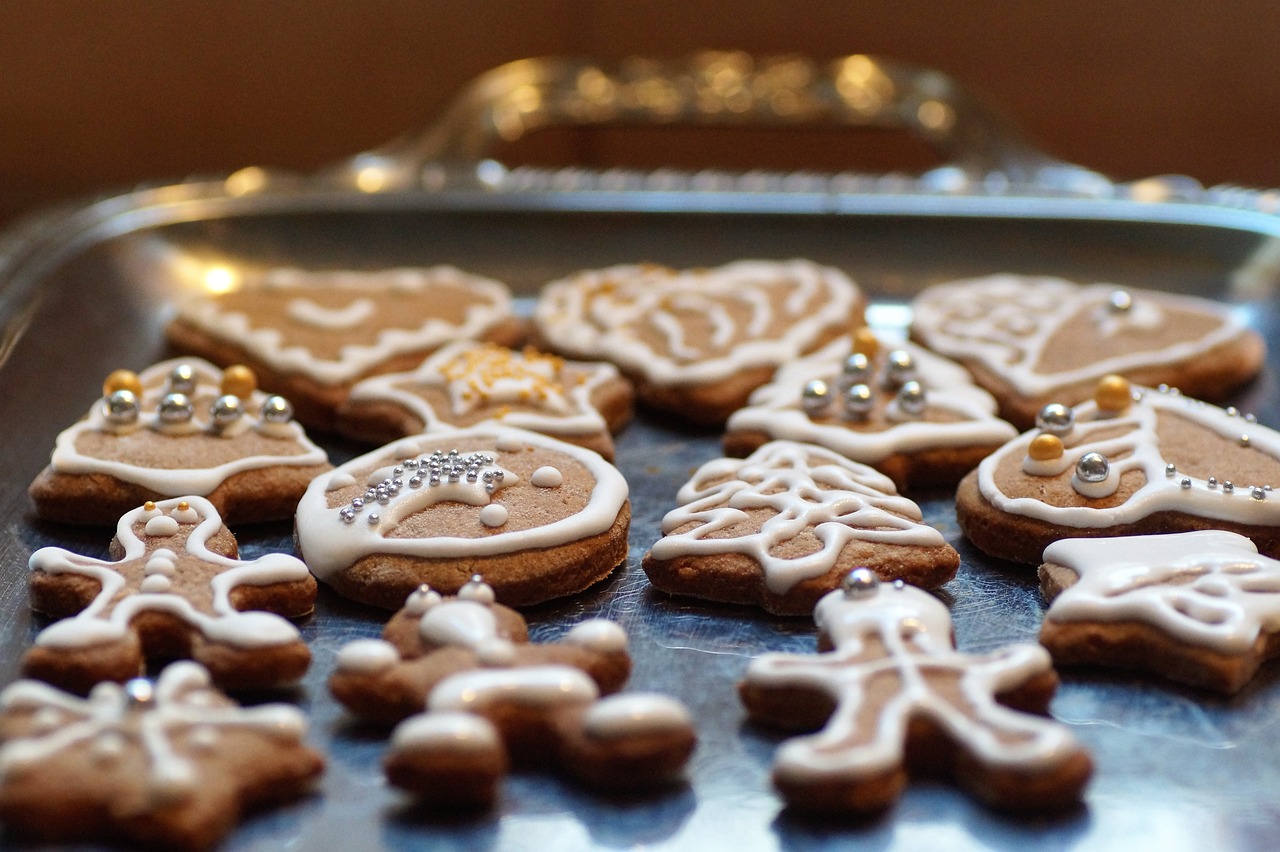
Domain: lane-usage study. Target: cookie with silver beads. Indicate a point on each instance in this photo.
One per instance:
(180, 427)
(1131, 461)
(538, 517)
(912, 415)
(1035, 340)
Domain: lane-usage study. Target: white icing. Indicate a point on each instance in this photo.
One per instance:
(598, 634)
(184, 515)
(547, 477)
(340, 480)
(1138, 449)
(421, 599)
(776, 409)
(1210, 588)
(330, 545)
(493, 515)
(538, 687)
(458, 622)
(432, 285)
(66, 458)
(162, 526)
(915, 630)
(108, 615)
(306, 312)
(969, 319)
(464, 733)
(367, 656)
(106, 724)
(496, 652)
(509, 443)
(160, 565)
(156, 584)
(635, 714)
(597, 314)
(807, 488)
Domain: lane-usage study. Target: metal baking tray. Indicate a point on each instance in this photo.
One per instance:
(87, 288)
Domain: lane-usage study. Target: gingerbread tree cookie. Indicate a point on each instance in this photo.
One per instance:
(171, 764)
(173, 589)
(697, 342)
(1201, 608)
(890, 695)
(912, 415)
(1133, 461)
(492, 698)
(784, 526)
(180, 427)
(468, 383)
(311, 334)
(1033, 340)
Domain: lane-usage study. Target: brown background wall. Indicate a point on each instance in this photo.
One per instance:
(100, 94)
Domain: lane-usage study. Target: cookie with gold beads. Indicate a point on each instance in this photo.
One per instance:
(180, 427)
(1131, 461)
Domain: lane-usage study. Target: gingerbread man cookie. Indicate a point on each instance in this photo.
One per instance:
(173, 589)
(170, 764)
(311, 334)
(468, 384)
(180, 427)
(889, 695)
(1033, 340)
(1201, 608)
(492, 698)
(783, 527)
(697, 342)
(538, 517)
(1133, 461)
(910, 414)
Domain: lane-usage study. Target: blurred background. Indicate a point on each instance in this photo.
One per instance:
(98, 96)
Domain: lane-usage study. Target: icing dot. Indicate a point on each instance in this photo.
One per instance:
(107, 747)
(184, 514)
(341, 479)
(477, 590)
(496, 653)
(162, 525)
(454, 731)
(598, 634)
(635, 713)
(367, 656)
(509, 444)
(162, 565)
(421, 599)
(494, 515)
(547, 477)
(156, 584)
(203, 738)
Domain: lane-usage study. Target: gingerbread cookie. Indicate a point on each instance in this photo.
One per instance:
(174, 588)
(1033, 340)
(908, 413)
(171, 765)
(179, 427)
(1134, 461)
(468, 384)
(539, 518)
(492, 697)
(782, 528)
(889, 695)
(1201, 608)
(311, 334)
(697, 342)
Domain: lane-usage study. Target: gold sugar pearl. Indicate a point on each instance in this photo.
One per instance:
(1045, 448)
(149, 506)
(865, 342)
(239, 380)
(1113, 393)
(122, 380)
(183, 505)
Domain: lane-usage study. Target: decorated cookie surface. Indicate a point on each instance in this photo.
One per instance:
(696, 342)
(1198, 607)
(538, 517)
(468, 384)
(1133, 461)
(175, 584)
(892, 683)
(1033, 340)
(911, 414)
(782, 527)
(179, 427)
(172, 763)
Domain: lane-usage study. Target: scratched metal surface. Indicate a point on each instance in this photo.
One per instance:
(1176, 769)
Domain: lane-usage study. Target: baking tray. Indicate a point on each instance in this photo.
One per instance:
(87, 288)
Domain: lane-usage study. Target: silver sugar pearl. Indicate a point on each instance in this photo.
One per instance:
(121, 407)
(374, 518)
(182, 379)
(176, 408)
(1186, 482)
(415, 481)
(860, 583)
(1170, 469)
(1119, 302)
(347, 514)
(1228, 486)
(859, 400)
(226, 409)
(815, 397)
(856, 370)
(1244, 440)
(1258, 493)
(357, 503)
(1232, 411)
(1093, 467)
(1251, 418)
(1213, 482)
(1055, 419)
(899, 368)
(277, 409)
(911, 399)
(139, 692)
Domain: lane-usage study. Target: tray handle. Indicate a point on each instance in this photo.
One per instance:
(715, 88)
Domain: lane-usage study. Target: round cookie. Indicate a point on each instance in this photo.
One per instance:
(178, 428)
(784, 526)
(912, 415)
(311, 334)
(1135, 461)
(537, 517)
(467, 384)
(1033, 340)
(697, 342)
